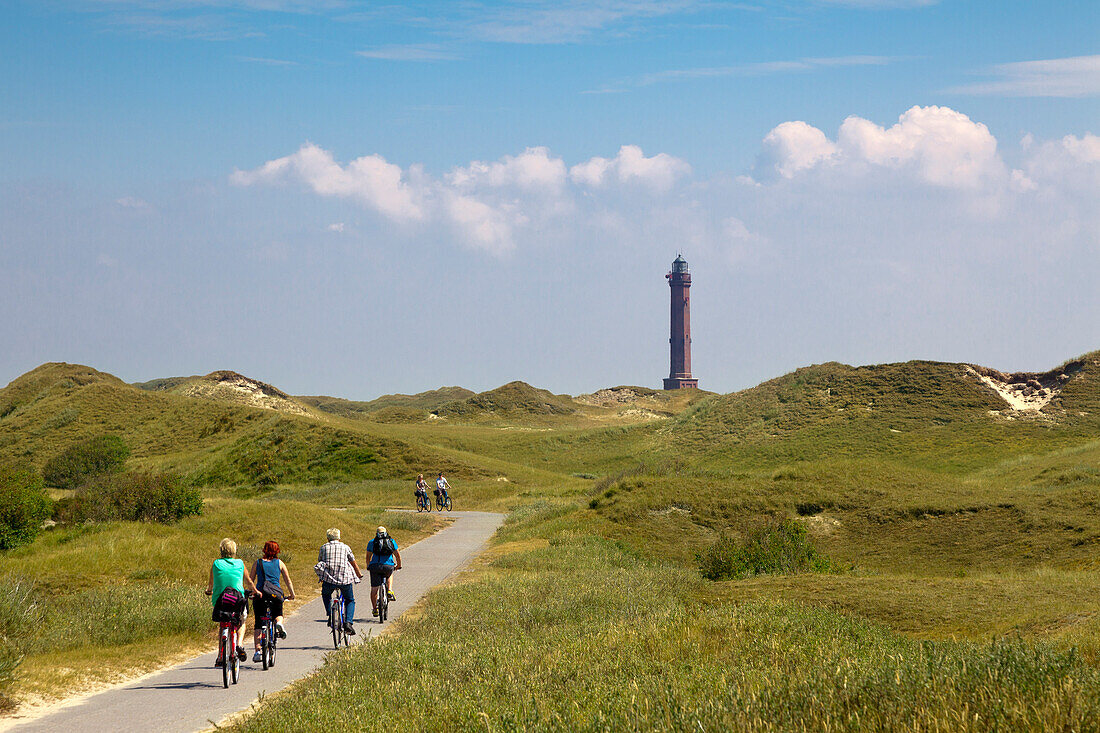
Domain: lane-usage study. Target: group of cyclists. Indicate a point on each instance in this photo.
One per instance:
(230, 581)
(441, 489)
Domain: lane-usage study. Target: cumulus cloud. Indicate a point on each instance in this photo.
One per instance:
(795, 146)
(532, 169)
(484, 203)
(930, 154)
(658, 172)
(370, 180)
(937, 145)
(484, 225)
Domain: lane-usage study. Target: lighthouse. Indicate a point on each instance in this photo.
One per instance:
(679, 283)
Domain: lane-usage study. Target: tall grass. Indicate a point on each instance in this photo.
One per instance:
(582, 635)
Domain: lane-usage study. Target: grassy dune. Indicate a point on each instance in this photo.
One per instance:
(962, 538)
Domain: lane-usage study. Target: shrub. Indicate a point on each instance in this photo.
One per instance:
(78, 463)
(780, 547)
(23, 506)
(134, 497)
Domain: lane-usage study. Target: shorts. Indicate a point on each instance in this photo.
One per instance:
(265, 604)
(379, 573)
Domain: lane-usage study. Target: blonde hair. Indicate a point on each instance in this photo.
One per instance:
(228, 547)
(333, 534)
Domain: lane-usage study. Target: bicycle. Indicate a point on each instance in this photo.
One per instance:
(336, 619)
(423, 504)
(384, 597)
(227, 648)
(443, 502)
(268, 641)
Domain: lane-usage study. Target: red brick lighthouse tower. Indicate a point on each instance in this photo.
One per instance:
(679, 281)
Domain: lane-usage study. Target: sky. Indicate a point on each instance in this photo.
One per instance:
(357, 198)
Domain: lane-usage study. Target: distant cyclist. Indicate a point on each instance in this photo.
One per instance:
(383, 552)
(421, 488)
(274, 585)
(336, 568)
(441, 487)
(227, 580)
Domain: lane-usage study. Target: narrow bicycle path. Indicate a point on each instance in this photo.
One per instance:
(190, 696)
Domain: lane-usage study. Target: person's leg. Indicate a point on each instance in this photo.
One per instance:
(349, 603)
(326, 597)
(257, 609)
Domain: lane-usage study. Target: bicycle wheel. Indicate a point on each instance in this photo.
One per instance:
(236, 669)
(419, 506)
(223, 654)
(265, 645)
(334, 620)
(447, 503)
(272, 644)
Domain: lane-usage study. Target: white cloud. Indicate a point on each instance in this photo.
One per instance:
(532, 169)
(1086, 149)
(658, 172)
(483, 225)
(795, 146)
(1077, 76)
(369, 179)
(931, 161)
(131, 202)
(939, 145)
(337, 227)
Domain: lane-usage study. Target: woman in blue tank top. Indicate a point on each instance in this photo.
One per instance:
(274, 583)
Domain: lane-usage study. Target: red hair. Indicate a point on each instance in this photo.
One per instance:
(271, 550)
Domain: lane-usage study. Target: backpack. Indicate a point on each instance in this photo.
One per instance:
(383, 546)
(229, 607)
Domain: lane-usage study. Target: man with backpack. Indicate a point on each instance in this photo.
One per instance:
(383, 553)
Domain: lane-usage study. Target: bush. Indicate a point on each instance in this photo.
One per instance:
(134, 497)
(83, 461)
(781, 547)
(23, 506)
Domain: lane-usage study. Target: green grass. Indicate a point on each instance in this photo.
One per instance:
(967, 538)
(582, 634)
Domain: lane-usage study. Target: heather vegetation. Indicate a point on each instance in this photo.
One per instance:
(79, 463)
(140, 496)
(842, 548)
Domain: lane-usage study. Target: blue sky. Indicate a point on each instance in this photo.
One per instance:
(356, 198)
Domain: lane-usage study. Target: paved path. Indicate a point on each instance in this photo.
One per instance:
(190, 696)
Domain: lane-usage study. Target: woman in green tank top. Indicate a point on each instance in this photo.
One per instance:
(229, 572)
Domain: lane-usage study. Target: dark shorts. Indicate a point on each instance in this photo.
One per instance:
(378, 574)
(267, 604)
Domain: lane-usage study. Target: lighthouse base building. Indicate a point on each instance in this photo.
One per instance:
(679, 283)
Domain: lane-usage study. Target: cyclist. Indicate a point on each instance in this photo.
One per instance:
(421, 489)
(229, 573)
(336, 568)
(274, 584)
(383, 551)
(441, 487)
